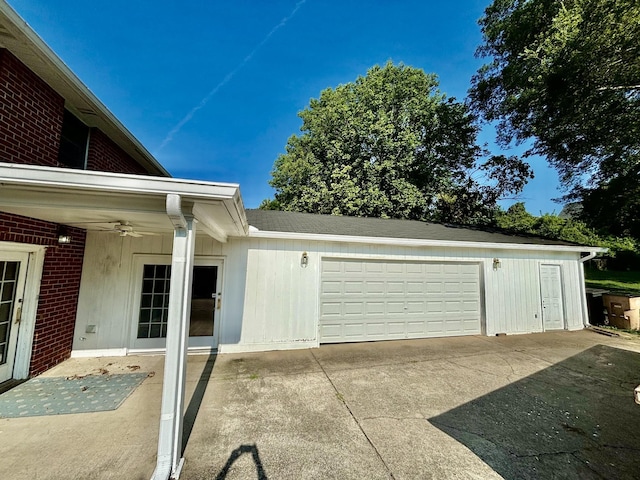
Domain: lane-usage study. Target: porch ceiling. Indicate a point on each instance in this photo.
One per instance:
(96, 200)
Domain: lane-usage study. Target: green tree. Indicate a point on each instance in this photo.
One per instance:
(391, 145)
(624, 252)
(566, 75)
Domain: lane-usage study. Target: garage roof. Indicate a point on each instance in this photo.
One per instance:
(308, 223)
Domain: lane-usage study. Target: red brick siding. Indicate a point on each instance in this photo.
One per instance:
(105, 156)
(30, 115)
(57, 306)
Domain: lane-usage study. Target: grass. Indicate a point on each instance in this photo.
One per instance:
(628, 282)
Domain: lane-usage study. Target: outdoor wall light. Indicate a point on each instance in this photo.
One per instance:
(496, 263)
(304, 260)
(63, 236)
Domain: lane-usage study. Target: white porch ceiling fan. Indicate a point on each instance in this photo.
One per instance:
(122, 228)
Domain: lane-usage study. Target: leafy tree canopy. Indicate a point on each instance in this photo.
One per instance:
(567, 75)
(391, 145)
(624, 252)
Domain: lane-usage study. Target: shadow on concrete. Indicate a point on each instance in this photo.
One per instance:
(236, 454)
(574, 420)
(196, 400)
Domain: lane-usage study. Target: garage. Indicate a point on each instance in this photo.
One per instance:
(365, 300)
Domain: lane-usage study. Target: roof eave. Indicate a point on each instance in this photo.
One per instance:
(43, 61)
(28, 185)
(414, 242)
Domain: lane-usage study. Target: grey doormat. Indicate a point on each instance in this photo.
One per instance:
(61, 395)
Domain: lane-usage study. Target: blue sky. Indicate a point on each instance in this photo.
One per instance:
(213, 89)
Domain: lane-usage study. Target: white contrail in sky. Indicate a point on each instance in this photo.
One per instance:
(227, 78)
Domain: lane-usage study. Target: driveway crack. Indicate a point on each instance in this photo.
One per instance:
(344, 402)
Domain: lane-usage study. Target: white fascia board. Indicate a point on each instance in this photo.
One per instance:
(410, 242)
(71, 179)
(72, 79)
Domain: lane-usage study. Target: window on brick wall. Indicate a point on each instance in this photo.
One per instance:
(73, 142)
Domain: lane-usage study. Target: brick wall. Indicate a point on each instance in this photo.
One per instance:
(30, 115)
(105, 156)
(56, 316)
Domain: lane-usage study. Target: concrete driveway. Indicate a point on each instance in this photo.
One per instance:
(553, 405)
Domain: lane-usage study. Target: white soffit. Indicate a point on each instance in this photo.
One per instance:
(79, 197)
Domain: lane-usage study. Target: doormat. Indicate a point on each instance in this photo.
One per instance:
(62, 395)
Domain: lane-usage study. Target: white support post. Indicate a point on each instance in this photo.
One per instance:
(169, 461)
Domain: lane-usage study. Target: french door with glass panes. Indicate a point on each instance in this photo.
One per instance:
(151, 303)
(13, 269)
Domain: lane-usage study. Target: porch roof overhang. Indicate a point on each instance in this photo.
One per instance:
(89, 200)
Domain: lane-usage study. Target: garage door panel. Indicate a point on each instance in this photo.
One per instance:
(331, 309)
(433, 268)
(331, 331)
(433, 287)
(392, 268)
(374, 267)
(396, 328)
(353, 287)
(414, 328)
(415, 268)
(331, 266)
(374, 288)
(375, 300)
(375, 309)
(331, 287)
(353, 308)
(395, 308)
(376, 328)
(414, 308)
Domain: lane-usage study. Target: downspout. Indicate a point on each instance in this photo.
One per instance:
(169, 462)
(583, 291)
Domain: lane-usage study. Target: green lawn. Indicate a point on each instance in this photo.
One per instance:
(611, 280)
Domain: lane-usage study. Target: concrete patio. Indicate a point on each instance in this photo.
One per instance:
(529, 406)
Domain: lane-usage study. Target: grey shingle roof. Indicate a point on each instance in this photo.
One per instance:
(295, 222)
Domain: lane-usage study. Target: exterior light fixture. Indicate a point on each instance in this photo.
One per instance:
(496, 263)
(63, 236)
(304, 260)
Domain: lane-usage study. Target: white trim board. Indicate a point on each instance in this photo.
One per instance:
(411, 242)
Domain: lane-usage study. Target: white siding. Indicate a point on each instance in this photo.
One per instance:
(281, 304)
(107, 277)
(271, 302)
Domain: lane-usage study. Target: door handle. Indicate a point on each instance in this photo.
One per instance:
(219, 302)
(18, 315)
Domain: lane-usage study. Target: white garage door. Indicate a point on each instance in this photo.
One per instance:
(363, 300)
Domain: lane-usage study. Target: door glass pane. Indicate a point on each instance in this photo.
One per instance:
(203, 301)
(152, 320)
(8, 278)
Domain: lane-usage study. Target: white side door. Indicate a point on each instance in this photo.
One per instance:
(13, 272)
(551, 293)
(151, 302)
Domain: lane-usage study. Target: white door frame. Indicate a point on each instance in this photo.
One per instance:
(561, 292)
(33, 256)
(159, 344)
